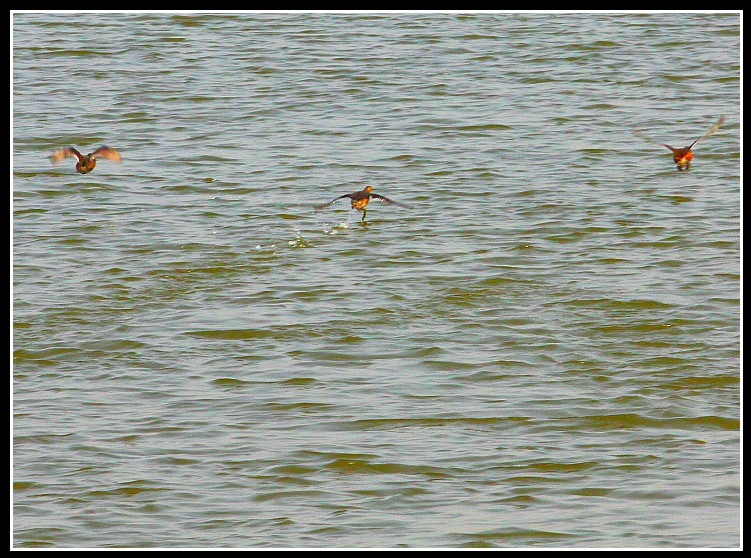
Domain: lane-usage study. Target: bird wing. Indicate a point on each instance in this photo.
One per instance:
(711, 131)
(61, 154)
(107, 153)
(332, 201)
(387, 200)
(641, 135)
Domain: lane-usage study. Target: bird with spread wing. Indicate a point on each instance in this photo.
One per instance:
(682, 155)
(361, 199)
(86, 163)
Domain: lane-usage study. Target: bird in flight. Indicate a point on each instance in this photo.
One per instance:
(86, 163)
(682, 155)
(361, 199)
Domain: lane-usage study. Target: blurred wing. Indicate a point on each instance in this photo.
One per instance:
(61, 154)
(107, 153)
(711, 131)
(387, 200)
(323, 205)
(641, 135)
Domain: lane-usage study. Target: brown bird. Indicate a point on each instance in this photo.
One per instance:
(86, 163)
(682, 156)
(361, 199)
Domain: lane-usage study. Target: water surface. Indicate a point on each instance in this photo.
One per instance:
(542, 352)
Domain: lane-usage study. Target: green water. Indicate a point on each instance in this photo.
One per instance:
(542, 351)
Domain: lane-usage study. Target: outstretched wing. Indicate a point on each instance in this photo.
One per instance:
(61, 154)
(332, 201)
(107, 153)
(387, 200)
(711, 131)
(641, 135)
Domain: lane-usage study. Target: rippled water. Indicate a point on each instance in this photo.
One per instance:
(543, 351)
